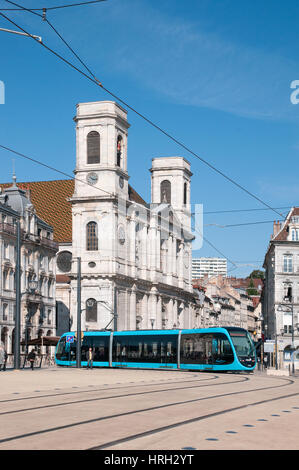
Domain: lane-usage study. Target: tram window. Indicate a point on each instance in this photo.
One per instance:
(60, 352)
(145, 348)
(100, 346)
(66, 351)
(206, 349)
(196, 349)
(242, 343)
(222, 350)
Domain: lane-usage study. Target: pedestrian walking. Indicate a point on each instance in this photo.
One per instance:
(89, 357)
(2, 358)
(31, 358)
(265, 361)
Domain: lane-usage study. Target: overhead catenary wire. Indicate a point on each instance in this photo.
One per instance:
(34, 160)
(242, 210)
(95, 80)
(245, 224)
(45, 18)
(149, 121)
(54, 7)
(211, 244)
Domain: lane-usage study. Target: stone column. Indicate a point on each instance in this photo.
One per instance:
(169, 260)
(159, 313)
(181, 266)
(170, 316)
(175, 316)
(144, 312)
(152, 317)
(132, 309)
(174, 263)
(144, 252)
(132, 246)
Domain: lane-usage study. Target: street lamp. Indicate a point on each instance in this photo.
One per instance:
(288, 307)
(32, 286)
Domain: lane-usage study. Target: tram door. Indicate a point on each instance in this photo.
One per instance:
(208, 346)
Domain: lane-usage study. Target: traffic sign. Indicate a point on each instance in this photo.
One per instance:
(269, 347)
(70, 338)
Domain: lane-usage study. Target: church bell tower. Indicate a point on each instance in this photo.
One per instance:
(101, 149)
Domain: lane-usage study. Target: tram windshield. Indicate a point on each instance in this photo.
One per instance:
(244, 346)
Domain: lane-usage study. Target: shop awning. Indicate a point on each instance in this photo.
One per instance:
(42, 341)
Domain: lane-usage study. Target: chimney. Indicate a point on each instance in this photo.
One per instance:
(276, 228)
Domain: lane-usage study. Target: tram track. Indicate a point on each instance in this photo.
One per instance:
(54, 405)
(140, 435)
(49, 395)
(159, 407)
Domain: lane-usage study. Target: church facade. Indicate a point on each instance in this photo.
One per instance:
(134, 257)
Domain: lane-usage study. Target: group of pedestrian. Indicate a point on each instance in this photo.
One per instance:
(3, 358)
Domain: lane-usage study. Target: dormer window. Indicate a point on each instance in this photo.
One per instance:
(93, 148)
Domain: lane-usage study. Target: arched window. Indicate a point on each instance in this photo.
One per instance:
(165, 192)
(93, 147)
(92, 236)
(119, 150)
(91, 310)
(4, 312)
(185, 193)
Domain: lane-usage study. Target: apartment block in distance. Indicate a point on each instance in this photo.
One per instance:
(208, 266)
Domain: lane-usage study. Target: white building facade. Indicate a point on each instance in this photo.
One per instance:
(135, 257)
(38, 270)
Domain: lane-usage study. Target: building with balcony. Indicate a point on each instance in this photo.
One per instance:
(222, 304)
(280, 306)
(38, 269)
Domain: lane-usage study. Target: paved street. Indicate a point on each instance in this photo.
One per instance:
(114, 409)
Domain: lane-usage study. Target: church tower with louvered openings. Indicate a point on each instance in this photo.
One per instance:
(132, 277)
(100, 178)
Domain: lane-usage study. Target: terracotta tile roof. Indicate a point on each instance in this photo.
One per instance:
(50, 199)
(63, 278)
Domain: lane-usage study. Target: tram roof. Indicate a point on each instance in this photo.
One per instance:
(151, 332)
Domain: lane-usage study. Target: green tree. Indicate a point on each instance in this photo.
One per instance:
(251, 290)
(257, 274)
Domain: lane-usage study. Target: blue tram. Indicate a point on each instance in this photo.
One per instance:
(217, 349)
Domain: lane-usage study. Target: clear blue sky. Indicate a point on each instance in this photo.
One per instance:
(214, 73)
